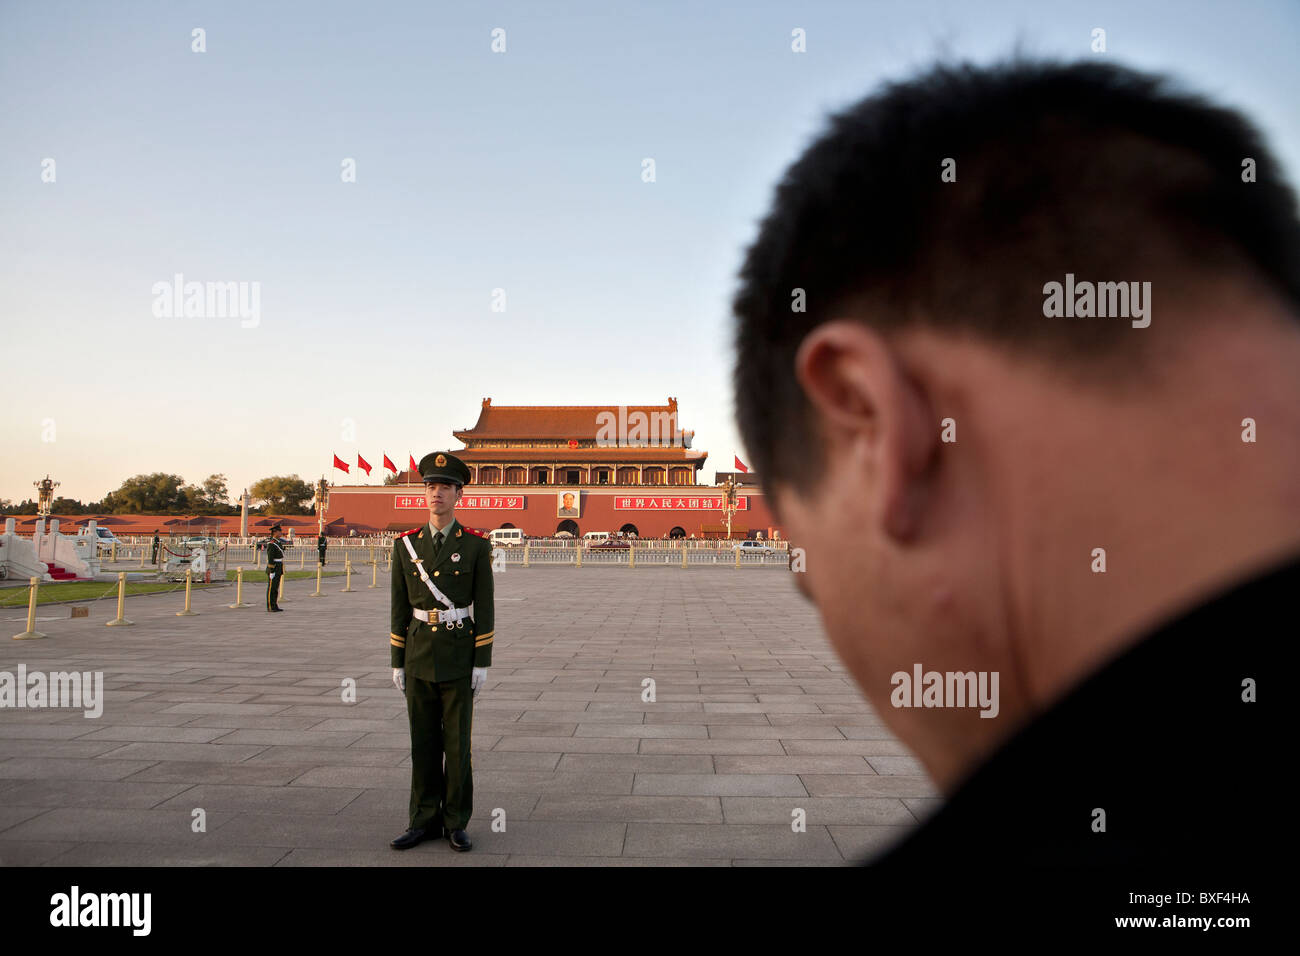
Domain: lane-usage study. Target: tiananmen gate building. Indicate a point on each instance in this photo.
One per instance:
(575, 468)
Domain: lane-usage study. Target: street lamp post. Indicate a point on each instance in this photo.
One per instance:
(45, 496)
(729, 502)
(322, 502)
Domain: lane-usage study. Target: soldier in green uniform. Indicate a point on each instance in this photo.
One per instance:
(274, 569)
(320, 546)
(440, 638)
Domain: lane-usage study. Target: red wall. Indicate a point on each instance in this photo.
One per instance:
(375, 507)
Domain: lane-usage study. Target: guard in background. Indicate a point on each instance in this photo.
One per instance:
(274, 568)
(155, 545)
(441, 647)
(320, 546)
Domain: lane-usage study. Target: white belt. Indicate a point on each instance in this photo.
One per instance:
(449, 617)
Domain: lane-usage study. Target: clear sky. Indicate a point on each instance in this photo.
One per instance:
(475, 171)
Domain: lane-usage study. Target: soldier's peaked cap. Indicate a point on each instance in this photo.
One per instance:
(444, 466)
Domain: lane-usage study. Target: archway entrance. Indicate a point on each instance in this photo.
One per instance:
(677, 532)
(569, 525)
(630, 529)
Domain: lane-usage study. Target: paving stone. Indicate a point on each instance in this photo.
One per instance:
(860, 844)
(245, 718)
(357, 778)
(896, 764)
(819, 811)
(294, 799)
(717, 784)
(550, 838)
(734, 841)
(98, 825)
(62, 768)
(123, 794)
(603, 745)
(157, 750)
(135, 854)
(334, 756)
(22, 853)
(429, 853)
(711, 745)
(625, 809)
(56, 748)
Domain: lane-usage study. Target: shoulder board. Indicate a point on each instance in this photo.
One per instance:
(478, 534)
(405, 533)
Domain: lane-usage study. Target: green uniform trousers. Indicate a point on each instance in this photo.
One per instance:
(441, 714)
(273, 574)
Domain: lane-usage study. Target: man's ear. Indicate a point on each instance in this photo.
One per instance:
(870, 407)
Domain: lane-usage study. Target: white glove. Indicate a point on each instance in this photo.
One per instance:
(478, 679)
(399, 678)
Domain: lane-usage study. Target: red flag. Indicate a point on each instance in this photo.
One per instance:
(389, 465)
(363, 464)
(340, 463)
(414, 466)
(741, 465)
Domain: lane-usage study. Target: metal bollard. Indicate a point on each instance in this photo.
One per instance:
(142, 550)
(347, 570)
(120, 620)
(526, 546)
(239, 589)
(579, 561)
(189, 578)
(683, 557)
(279, 591)
(631, 556)
(302, 559)
(374, 570)
(737, 557)
(31, 634)
(317, 592)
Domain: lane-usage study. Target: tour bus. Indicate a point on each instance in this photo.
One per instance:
(507, 536)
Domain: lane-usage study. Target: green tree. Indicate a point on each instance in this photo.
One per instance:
(67, 506)
(158, 492)
(214, 488)
(283, 495)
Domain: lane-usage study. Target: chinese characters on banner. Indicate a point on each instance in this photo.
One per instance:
(466, 501)
(676, 504)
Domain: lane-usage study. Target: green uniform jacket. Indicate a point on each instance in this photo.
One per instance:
(463, 573)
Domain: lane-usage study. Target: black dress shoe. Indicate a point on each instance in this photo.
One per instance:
(459, 840)
(409, 839)
(274, 609)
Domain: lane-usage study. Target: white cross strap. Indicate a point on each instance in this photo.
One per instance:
(424, 576)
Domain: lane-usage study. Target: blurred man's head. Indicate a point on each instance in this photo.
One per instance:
(950, 437)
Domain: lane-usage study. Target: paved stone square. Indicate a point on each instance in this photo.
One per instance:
(241, 713)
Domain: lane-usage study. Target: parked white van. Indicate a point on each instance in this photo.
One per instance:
(507, 536)
(595, 537)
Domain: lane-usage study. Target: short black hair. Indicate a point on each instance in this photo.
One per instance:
(1093, 169)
